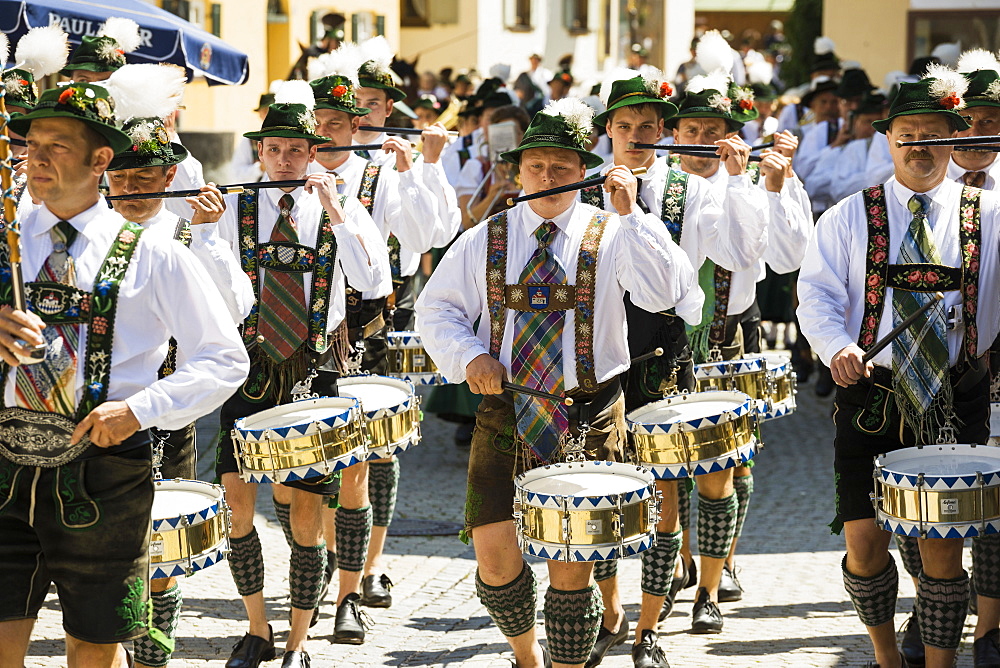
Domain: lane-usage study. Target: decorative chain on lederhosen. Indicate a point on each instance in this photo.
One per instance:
(586, 278)
(182, 233)
(879, 274)
(67, 304)
(320, 261)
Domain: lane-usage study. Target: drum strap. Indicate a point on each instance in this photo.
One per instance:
(320, 261)
(182, 233)
(68, 304)
(879, 274)
(585, 292)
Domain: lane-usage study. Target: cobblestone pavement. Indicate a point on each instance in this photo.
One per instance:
(794, 613)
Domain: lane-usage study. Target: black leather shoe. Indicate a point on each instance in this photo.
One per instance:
(824, 381)
(295, 659)
(706, 616)
(251, 650)
(647, 654)
(911, 646)
(463, 434)
(375, 591)
(692, 575)
(986, 650)
(349, 629)
(676, 584)
(605, 641)
(902, 663)
(729, 587)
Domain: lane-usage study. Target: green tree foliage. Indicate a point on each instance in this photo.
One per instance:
(803, 26)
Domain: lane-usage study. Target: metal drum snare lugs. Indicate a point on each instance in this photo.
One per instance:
(391, 410)
(939, 491)
(301, 440)
(781, 385)
(585, 511)
(408, 360)
(694, 434)
(190, 527)
(747, 375)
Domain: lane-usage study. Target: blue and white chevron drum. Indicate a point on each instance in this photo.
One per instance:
(190, 527)
(939, 491)
(585, 511)
(391, 410)
(408, 360)
(696, 433)
(781, 385)
(746, 374)
(306, 439)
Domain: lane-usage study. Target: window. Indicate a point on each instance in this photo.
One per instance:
(181, 8)
(414, 13)
(972, 29)
(216, 19)
(575, 14)
(517, 15)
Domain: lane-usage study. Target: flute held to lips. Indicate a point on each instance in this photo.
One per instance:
(952, 141)
(690, 147)
(579, 185)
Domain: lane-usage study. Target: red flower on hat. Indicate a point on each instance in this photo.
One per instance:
(22, 82)
(565, 77)
(135, 147)
(666, 89)
(746, 105)
(951, 101)
(339, 91)
(120, 52)
(66, 95)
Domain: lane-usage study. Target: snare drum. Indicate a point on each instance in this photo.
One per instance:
(747, 375)
(939, 491)
(391, 409)
(190, 528)
(693, 434)
(585, 511)
(994, 424)
(781, 385)
(408, 360)
(300, 440)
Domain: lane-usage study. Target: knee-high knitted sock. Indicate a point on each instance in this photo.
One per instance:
(354, 530)
(572, 621)
(716, 526)
(986, 565)
(605, 570)
(684, 488)
(744, 490)
(874, 597)
(306, 574)
(511, 606)
(383, 481)
(283, 512)
(909, 553)
(246, 563)
(658, 563)
(941, 609)
(166, 610)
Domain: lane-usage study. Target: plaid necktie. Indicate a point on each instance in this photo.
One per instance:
(536, 355)
(974, 179)
(282, 296)
(51, 385)
(920, 353)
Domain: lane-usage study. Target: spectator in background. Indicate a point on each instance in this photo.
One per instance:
(428, 108)
(560, 84)
(429, 85)
(539, 75)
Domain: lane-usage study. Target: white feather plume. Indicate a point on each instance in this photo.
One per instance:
(652, 78)
(713, 52)
(718, 80)
(578, 116)
(4, 50)
(146, 90)
(345, 61)
(500, 71)
(123, 31)
(377, 48)
(977, 59)
(760, 72)
(617, 74)
(275, 85)
(42, 51)
(295, 92)
(947, 53)
(823, 45)
(946, 82)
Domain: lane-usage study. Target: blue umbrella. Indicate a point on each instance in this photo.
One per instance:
(166, 38)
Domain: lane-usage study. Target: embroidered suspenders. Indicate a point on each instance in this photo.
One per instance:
(182, 233)
(57, 303)
(879, 274)
(594, 196)
(289, 258)
(580, 297)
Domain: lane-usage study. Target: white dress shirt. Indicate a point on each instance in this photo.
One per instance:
(189, 176)
(752, 130)
(361, 253)
(850, 172)
(790, 225)
(217, 259)
(245, 167)
(161, 295)
(957, 172)
(452, 162)
(832, 278)
(879, 167)
(633, 256)
(815, 138)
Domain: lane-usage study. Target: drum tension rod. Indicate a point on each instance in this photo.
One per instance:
(920, 505)
(981, 481)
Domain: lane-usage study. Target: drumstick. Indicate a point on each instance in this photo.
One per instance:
(225, 190)
(646, 356)
(579, 185)
(711, 154)
(398, 131)
(898, 329)
(690, 147)
(352, 147)
(984, 148)
(521, 389)
(952, 141)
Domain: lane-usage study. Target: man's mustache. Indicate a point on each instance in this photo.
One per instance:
(919, 155)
